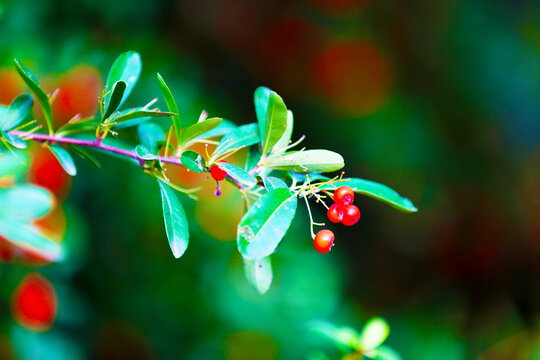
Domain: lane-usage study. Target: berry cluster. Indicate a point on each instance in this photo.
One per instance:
(342, 211)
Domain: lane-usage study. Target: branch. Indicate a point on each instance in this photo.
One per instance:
(97, 144)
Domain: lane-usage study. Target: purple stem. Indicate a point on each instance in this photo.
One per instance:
(97, 144)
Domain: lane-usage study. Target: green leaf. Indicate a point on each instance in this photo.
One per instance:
(197, 129)
(17, 111)
(25, 202)
(42, 98)
(286, 137)
(117, 94)
(80, 125)
(271, 183)
(245, 135)
(13, 163)
(136, 117)
(302, 177)
(127, 68)
(223, 128)
(238, 174)
(176, 224)
(259, 273)
(384, 353)
(85, 155)
(253, 158)
(308, 161)
(374, 333)
(144, 153)
(29, 238)
(275, 122)
(193, 161)
(261, 96)
(344, 337)
(171, 104)
(14, 140)
(377, 191)
(266, 223)
(64, 158)
(151, 135)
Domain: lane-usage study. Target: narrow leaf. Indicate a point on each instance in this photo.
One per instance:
(197, 129)
(14, 140)
(275, 122)
(377, 191)
(271, 183)
(266, 223)
(176, 224)
(309, 161)
(144, 153)
(280, 146)
(64, 158)
(123, 120)
(115, 98)
(86, 155)
(193, 161)
(223, 128)
(42, 98)
(17, 111)
(27, 237)
(245, 135)
(259, 273)
(151, 135)
(260, 97)
(253, 158)
(25, 202)
(238, 174)
(374, 333)
(171, 104)
(127, 68)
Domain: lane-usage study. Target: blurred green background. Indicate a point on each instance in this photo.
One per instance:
(437, 99)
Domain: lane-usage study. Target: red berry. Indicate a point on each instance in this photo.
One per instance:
(335, 213)
(344, 195)
(323, 241)
(34, 303)
(351, 215)
(217, 173)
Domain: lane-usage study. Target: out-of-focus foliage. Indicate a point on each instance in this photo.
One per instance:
(438, 99)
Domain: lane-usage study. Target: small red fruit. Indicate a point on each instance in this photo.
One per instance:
(34, 303)
(217, 173)
(351, 215)
(344, 195)
(323, 241)
(335, 213)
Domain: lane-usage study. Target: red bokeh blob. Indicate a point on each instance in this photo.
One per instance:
(47, 172)
(34, 303)
(354, 76)
(78, 91)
